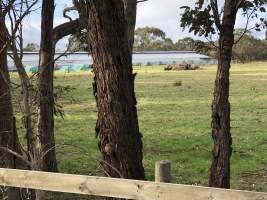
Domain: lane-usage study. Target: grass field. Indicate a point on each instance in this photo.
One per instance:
(174, 119)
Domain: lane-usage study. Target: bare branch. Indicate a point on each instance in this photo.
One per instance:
(140, 1)
(211, 42)
(68, 9)
(246, 27)
(7, 150)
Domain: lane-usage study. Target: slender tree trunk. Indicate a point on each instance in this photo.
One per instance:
(45, 88)
(117, 125)
(26, 101)
(32, 148)
(220, 169)
(8, 134)
(49, 38)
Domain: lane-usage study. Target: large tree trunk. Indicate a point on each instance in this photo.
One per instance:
(45, 88)
(8, 133)
(117, 125)
(130, 7)
(220, 169)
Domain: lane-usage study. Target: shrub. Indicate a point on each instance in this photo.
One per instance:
(177, 83)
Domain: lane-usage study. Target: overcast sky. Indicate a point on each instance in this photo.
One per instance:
(163, 14)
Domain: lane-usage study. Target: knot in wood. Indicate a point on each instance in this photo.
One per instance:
(109, 149)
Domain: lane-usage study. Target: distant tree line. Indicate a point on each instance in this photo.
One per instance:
(31, 47)
(248, 49)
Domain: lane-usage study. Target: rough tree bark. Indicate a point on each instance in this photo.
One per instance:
(220, 169)
(45, 88)
(130, 7)
(8, 133)
(117, 125)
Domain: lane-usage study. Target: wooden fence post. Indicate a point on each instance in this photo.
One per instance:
(163, 171)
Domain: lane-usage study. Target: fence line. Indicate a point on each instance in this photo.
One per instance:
(118, 188)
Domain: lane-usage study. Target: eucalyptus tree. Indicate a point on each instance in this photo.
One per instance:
(151, 38)
(206, 19)
(50, 35)
(111, 27)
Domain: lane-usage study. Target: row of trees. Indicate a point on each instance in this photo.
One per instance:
(110, 38)
(32, 47)
(248, 49)
(145, 39)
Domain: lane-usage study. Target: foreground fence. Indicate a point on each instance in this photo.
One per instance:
(118, 188)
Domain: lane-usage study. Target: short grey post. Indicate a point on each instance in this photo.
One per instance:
(163, 171)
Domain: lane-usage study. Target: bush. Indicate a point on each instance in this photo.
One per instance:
(177, 83)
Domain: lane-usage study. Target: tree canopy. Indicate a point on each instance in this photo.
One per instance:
(248, 49)
(151, 38)
(31, 47)
(205, 19)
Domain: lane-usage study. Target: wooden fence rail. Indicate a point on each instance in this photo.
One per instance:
(119, 188)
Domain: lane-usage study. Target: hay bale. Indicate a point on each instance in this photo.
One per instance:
(181, 67)
(195, 67)
(168, 68)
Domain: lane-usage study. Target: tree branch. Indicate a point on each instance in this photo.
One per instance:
(67, 28)
(68, 9)
(7, 150)
(8, 7)
(246, 27)
(140, 1)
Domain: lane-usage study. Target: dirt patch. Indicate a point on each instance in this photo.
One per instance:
(254, 180)
(261, 173)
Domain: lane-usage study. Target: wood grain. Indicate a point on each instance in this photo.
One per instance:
(118, 188)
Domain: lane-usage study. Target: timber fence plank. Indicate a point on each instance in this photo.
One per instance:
(118, 188)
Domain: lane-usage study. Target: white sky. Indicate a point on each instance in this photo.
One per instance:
(163, 14)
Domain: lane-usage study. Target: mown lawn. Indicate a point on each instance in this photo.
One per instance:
(175, 123)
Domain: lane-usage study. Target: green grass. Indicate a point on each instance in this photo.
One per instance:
(175, 123)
